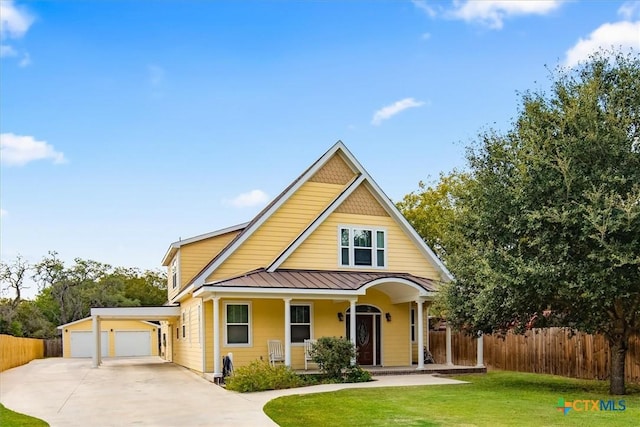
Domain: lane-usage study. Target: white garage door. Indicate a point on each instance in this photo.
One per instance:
(82, 343)
(133, 343)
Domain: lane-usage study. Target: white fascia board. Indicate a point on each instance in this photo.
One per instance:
(201, 278)
(315, 224)
(176, 245)
(246, 292)
(183, 293)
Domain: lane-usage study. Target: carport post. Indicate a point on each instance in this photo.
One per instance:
(97, 353)
(419, 302)
(217, 356)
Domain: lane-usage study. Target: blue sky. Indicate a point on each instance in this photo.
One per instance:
(129, 124)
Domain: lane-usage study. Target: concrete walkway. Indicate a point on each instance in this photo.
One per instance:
(147, 392)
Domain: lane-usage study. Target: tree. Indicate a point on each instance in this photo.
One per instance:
(549, 227)
(432, 209)
(12, 276)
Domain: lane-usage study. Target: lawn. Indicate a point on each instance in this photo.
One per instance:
(494, 399)
(8, 418)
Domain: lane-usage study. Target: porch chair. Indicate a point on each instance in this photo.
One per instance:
(308, 344)
(276, 352)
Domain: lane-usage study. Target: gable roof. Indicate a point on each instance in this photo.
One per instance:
(361, 177)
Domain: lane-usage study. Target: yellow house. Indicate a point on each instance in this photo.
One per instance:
(119, 338)
(330, 256)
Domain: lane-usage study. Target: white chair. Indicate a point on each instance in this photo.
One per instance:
(308, 344)
(276, 352)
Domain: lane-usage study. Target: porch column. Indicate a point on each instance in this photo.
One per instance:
(419, 302)
(449, 360)
(97, 353)
(480, 351)
(287, 331)
(427, 326)
(217, 357)
(352, 324)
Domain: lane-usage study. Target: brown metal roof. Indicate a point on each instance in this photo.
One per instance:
(318, 279)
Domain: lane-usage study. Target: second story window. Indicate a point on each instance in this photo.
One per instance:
(174, 273)
(362, 247)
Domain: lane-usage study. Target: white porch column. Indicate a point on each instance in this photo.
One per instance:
(352, 324)
(427, 326)
(420, 307)
(480, 351)
(97, 347)
(217, 356)
(287, 331)
(449, 360)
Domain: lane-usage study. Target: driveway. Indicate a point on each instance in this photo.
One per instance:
(147, 392)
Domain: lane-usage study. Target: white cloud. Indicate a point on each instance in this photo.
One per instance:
(3, 213)
(251, 198)
(423, 6)
(629, 10)
(14, 24)
(391, 110)
(492, 13)
(18, 150)
(622, 35)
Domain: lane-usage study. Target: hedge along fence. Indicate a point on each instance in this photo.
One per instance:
(16, 351)
(546, 351)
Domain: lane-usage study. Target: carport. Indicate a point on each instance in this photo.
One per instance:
(125, 313)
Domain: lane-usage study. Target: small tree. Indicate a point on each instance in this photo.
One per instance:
(333, 355)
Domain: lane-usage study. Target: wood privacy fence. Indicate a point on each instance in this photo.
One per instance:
(53, 347)
(545, 351)
(16, 351)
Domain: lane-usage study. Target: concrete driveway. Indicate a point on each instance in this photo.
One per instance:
(147, 392)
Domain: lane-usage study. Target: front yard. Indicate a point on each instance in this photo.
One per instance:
(495, 399)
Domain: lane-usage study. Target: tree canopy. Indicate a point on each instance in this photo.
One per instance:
(67, 293)
(547, 228)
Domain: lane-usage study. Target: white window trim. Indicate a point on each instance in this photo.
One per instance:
(374, 247)
(310, 305)
(175, 271)
(249, 319)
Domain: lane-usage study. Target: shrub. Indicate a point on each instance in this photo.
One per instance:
(333, 355)
(259, 375)
(355, 374)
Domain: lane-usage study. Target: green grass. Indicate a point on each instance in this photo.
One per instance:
(494, 399)
(8, 418)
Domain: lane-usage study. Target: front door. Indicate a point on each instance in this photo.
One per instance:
(365, 339)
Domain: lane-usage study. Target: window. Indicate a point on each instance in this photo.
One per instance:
(184, 326)
(300, 323)
(413, 325)
(174, 273)
(237, 316)
(199, 321)
(362, 247)
(177, 333)
(189, 324)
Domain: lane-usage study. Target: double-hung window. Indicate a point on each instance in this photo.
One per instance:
(362, 247)
(300, 322)
(238, 324)
(174, 273)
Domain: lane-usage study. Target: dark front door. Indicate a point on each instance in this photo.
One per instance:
(365, 339)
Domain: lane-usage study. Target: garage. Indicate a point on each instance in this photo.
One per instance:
(82, 343)
(133, 343)
(118, 338)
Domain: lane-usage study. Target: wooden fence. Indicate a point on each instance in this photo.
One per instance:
(53, 347)
(545, 351)
(16, 351)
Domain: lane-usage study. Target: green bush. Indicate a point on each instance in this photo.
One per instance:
(259, 375)
(333, 356)
(355, 374)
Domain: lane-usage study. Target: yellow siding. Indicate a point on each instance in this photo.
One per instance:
(110, 326)
(193, 257)
(279, 230)
(187, 350)
(320, 250)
